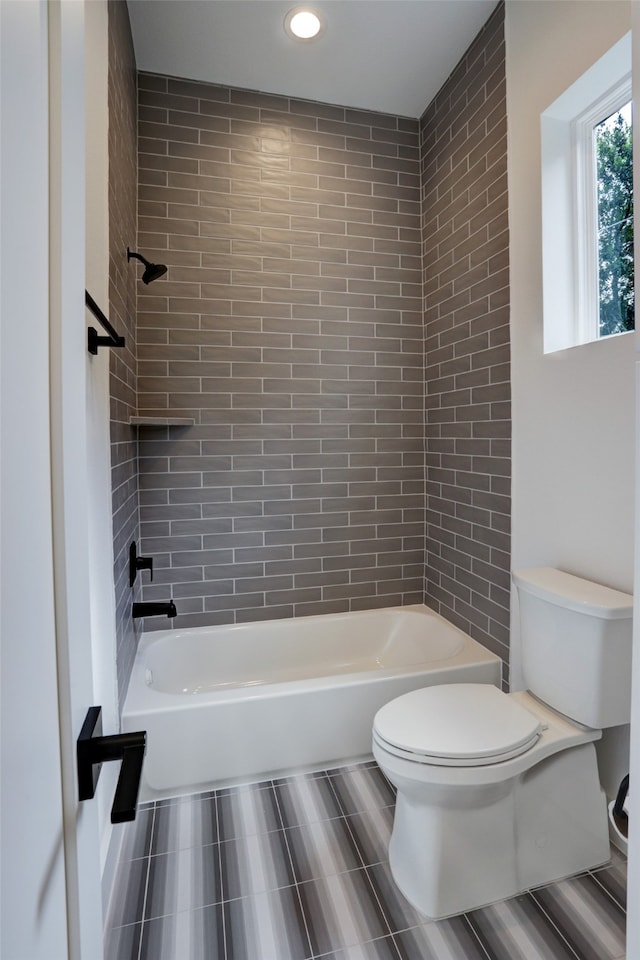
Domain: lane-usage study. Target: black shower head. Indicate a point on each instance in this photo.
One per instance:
(152, 270)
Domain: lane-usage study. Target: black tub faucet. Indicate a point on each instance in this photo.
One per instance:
(154, 608)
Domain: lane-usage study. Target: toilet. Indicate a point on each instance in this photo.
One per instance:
(499, 792)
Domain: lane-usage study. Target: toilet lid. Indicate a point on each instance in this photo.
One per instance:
(462, 724)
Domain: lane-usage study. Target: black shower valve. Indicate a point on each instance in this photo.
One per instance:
(138, 563)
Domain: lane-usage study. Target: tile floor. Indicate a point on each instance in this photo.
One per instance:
(296, 868)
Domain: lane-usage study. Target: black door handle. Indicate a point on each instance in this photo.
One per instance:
(125, 799)
(92, 750)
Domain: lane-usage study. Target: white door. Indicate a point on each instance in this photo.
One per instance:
(50, 856)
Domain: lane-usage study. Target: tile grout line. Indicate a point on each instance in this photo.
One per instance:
(623, 906)
(364, 865)
(540, 906)
(293, 871)
(222, 910)
(146, 882)
(474, 933)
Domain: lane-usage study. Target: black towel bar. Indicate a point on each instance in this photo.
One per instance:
(94, 340)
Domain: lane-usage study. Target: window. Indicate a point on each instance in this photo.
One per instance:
(614, 157)
(587, 206)
(604, 215)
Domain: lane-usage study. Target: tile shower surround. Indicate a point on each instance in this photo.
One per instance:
(122, 94)
(463, 137)
(290, 327)
(297, 868)
(225, 550)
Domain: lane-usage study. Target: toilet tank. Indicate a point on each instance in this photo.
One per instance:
(576, 640)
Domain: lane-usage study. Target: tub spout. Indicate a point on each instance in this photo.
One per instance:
(158, 608)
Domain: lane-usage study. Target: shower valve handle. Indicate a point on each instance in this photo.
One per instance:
(145, 563)
(138, 563)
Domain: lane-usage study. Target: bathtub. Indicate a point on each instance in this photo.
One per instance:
(233, 704)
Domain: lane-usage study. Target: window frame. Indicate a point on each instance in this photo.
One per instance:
(587, 260)
(564, 320)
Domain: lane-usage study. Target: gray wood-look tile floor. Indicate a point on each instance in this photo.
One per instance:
(297, 868)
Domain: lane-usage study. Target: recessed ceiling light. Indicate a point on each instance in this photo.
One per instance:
(303, 23)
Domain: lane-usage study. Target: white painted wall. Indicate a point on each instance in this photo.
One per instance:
(573, 411)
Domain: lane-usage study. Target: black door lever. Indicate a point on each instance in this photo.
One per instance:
(92, 750)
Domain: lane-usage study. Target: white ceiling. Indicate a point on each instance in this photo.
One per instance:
(387, 55)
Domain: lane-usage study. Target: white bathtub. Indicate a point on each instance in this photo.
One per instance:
(230, 704)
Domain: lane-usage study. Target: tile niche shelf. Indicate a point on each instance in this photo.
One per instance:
(162, 421)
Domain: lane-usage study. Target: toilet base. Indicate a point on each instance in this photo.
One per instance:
(455, 849)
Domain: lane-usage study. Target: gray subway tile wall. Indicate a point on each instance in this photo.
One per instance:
(463, 136)
(289, 327)
(122, 94)
(300, 238)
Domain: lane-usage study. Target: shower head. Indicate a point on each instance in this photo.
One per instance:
(152, 270)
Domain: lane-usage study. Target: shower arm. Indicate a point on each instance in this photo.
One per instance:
(138, 256)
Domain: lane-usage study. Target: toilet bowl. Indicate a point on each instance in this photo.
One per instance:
(474, 829)
(497, 792)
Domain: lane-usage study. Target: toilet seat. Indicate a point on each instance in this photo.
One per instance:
(461, 725)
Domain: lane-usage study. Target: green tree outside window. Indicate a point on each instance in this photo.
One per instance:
(613, 139)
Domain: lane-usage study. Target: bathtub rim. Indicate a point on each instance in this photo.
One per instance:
(151, 700)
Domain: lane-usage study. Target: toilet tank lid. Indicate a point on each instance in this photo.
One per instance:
(574, 593)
